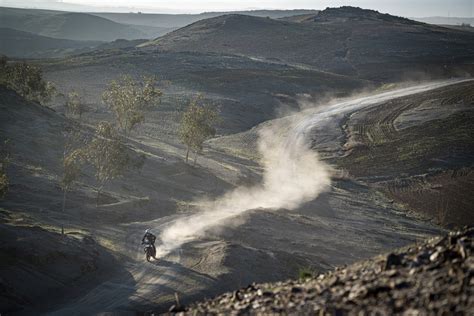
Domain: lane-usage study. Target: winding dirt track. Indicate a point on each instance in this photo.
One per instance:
(154, 284)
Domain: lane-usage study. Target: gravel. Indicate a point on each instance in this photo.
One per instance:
(431, 278)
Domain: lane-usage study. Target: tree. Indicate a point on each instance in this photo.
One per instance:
(128, 98)
(197, 125)
(74, 104)
(71, 173)
(4, 162)
(26, 80)
(73, 159)
(107, 154)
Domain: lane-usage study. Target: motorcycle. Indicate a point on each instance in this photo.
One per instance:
(150, 251)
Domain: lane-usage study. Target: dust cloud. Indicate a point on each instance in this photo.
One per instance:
(293, 174)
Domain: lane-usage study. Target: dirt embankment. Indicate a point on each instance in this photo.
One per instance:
(432, 278)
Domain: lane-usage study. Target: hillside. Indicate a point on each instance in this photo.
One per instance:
(429, 278)
(19, 44)
(72, 26)
(346, 40)
(347, 218)
(341, 135)
(36, 261)
(394, 148)
(111, 26)
(247, 91)
(180, 20)
(444, 20)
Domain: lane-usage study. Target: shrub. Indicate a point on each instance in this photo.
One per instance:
(4, 162)
(26, 80)
(306, 273)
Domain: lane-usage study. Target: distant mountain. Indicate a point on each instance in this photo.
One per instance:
(444, 20)
(298, 18)
(120, 44)
(347, 40)
(19, 44)
(111, 26)
(180, 20)
(73, 26)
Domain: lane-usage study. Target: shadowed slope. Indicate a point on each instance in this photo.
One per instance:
(21, 44)
(73, 26)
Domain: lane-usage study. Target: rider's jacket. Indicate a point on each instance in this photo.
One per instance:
(149, 237)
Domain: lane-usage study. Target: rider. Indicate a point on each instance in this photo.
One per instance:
(149, 238)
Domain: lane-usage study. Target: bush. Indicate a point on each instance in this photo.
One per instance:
(4, 162)
(26, 80)
(306, 273)
(75, 105)
(4, 184)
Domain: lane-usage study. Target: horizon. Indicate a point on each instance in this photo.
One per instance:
(458, 9)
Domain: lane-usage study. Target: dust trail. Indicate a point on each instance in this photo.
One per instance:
(293, 173)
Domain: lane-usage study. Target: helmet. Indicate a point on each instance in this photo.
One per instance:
(147, 231)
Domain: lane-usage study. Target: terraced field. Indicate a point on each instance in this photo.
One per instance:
(418, 150)
(423, 146)
(445, 195)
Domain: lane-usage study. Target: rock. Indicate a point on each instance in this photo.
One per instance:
(461, 249)
(237, 296)
(296, 290)
(392, 260)
(176, 309)
(434, 256)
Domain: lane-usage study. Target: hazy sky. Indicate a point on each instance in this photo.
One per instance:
(412, 8)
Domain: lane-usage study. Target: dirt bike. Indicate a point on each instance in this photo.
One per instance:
(149, 250)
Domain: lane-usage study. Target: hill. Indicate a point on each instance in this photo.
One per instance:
(73, 26)
(111, 26)
(394, 148)
(180, 20)
(247, 91)
(347, 218)
(19, 44)
(346, 40)
(443, 20)
(437, 272)
(393, 161)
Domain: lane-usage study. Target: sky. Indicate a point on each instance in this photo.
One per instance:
(408, 8)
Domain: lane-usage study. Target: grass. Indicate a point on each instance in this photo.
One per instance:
(306, 273)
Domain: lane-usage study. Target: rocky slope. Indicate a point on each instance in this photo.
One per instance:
(432, 278)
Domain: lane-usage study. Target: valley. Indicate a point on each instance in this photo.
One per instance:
(334, 144)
